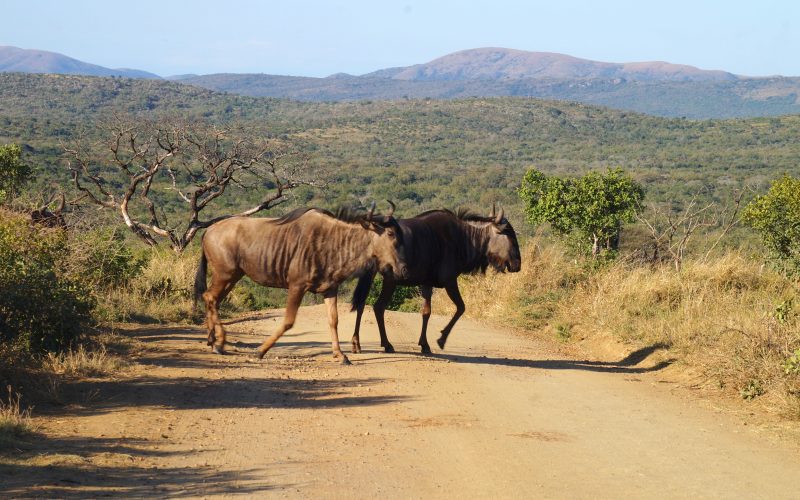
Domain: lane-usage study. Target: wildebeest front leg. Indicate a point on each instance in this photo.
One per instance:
(379, 308)
(426, 292)
(333, 325)
(455, 296)
(292, 305)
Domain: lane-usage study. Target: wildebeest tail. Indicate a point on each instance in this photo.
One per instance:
(200, 280)
(361, 291)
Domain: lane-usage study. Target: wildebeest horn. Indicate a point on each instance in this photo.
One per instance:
(494, 209)
(391, 211)
(371, 211)
(500, 216)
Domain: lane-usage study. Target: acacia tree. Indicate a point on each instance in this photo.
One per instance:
(138, 164)
(593, 206)
(671, 230)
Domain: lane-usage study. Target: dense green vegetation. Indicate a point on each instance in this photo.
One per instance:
(746, 97)
(421, 153)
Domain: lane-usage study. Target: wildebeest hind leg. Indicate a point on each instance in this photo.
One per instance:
(455, 296)
(333, 324)
(426, 292)
(220, 287)
(292, 305)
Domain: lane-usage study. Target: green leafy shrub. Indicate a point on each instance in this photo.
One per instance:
(13, 172)
(591, 208)
(776, 216)
(40, 308)
(403, 298)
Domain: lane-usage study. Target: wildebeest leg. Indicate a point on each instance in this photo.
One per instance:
(455, 296)
(356, 340)
(426, 292)
(221, 284)
(380, 307)
(292, 305)
(333, 324)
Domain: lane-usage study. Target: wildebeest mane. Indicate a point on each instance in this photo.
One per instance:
(344, 214)
(461, 213)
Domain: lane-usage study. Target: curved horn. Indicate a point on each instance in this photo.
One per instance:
(500, 216)
(391, 210)
(494, 209)
(371, 211)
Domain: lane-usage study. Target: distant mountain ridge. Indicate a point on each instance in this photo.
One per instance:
(492, 63)
(656, 88)
(16, 60)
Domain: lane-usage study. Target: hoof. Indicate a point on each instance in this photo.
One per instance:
(426, 349)
(356, 349)
(259, 354)
(441, 341)
(342, 359)
(210, 341)
(388, 348)
(218, 350)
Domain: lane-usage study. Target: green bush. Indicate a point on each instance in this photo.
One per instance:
(776, 216)
(402, 298)
(40, 308)
(13, 172)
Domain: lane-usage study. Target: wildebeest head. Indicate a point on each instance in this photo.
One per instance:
(388, 249)
(503, 250)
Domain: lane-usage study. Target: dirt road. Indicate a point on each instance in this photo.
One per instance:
(497, 415)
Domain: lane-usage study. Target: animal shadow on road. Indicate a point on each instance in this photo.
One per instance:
(625, 365)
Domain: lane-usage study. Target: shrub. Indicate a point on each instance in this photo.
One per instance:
(402, 299)
(776, 216)
(40, 308)
(13, 172)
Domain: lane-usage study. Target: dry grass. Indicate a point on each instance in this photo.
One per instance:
(82, 362)
(162, 291)
(15, 422)
(730, 319)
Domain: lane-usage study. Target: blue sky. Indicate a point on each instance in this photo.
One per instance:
(316, 38)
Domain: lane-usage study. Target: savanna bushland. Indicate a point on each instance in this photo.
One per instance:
(697, 263)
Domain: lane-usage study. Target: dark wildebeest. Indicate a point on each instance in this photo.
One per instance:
(307, 250)
(439, 246)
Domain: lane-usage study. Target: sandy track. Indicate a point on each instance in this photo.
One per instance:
(496, 415)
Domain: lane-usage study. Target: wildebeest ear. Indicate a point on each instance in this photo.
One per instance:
(501, 227)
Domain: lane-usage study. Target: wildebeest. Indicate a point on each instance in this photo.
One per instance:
(439, 246)
(308, 249)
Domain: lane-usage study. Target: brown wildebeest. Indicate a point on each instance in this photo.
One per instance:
(439, 246)
(307, 250)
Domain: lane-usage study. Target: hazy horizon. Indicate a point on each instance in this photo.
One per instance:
(314, 38)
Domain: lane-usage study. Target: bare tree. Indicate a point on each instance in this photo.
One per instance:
(138, 164)
(670, 232)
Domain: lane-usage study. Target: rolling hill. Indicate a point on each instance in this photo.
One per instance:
(16, 60)
(493, 63)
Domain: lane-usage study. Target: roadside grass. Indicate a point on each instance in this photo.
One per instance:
(15, 422)
(729, 319)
